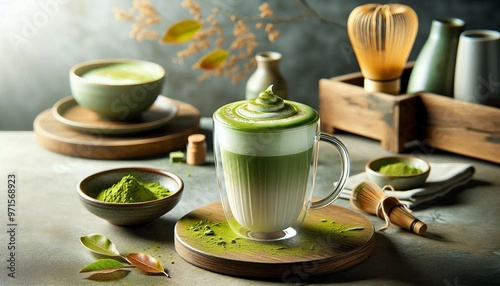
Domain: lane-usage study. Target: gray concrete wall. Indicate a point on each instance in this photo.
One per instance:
(41, 39)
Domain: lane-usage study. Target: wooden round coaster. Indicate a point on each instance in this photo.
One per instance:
(60, 138)
(331, 239)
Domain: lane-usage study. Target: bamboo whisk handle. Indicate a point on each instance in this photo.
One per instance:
(400, 216)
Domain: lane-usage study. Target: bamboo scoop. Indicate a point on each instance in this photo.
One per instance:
(369, 198)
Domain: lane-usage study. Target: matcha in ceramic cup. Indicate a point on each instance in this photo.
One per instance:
(117, 89)
(266, 158)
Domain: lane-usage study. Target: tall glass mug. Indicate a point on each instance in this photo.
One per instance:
(266, 153)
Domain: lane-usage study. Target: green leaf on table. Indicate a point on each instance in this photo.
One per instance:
(100, 244)
(181, 31)
(212, 60)
(103, 266)
(146, 263)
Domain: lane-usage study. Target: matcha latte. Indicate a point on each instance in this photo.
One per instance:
(266, 158)
(116, 89)
(266, 176)
(121, 73)
(265, 155)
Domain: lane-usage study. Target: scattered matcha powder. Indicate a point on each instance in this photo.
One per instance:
(218, 238)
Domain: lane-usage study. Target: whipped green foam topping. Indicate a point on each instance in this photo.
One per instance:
(267, 105)
(267, 111)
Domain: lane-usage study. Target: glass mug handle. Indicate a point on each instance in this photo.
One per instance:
(344, 155)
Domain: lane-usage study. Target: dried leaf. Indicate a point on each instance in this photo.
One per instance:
(100, 244)
(146, 263)
(103, 277)
(103, 266)
(212, 60)
(181, 31)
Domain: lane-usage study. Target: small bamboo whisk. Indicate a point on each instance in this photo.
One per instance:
(382, 36)
(369, 198)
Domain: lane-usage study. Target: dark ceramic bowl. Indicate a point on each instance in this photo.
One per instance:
(129, 213)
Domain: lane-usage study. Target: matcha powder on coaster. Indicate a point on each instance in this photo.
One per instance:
(131, 190)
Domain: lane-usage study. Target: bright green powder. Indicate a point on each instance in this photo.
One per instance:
(218, 238)
(131, 190)
(399, 169)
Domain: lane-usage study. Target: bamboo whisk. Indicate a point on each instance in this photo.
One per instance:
(369, 198)
(382, 36)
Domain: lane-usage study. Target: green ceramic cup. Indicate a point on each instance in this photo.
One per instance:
(116, 89)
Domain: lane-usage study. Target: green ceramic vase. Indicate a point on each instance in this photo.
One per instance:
(434, 68)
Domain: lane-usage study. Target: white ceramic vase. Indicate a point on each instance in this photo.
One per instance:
(477, 71)
(266, 74)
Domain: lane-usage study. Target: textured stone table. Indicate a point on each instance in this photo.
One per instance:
(461, 247)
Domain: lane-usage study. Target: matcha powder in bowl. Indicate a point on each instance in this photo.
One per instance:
(131, 190)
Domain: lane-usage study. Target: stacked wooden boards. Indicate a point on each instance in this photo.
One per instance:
(102, 143)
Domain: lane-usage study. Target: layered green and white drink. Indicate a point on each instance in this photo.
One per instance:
(264, 151)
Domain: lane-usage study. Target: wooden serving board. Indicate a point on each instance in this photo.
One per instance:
(60, 138)
(332, 239)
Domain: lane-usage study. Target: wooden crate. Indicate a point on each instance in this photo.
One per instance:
(460, 127)
(438, 121)
(345, 105)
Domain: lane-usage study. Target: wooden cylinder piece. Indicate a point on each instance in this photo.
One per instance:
(196, 149)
